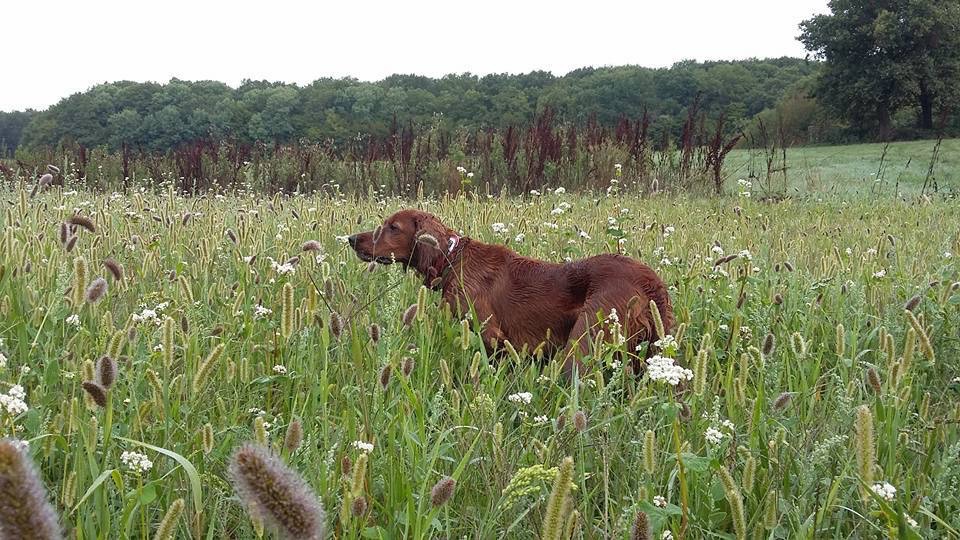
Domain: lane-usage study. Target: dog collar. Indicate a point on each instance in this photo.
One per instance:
(452, 243)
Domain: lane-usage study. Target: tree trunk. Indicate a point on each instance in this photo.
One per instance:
(926, 107)
(883, 121)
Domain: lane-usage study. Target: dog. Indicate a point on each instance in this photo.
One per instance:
(533, 304)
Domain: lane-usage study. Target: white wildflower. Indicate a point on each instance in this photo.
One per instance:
(499, 228)
(660, 368)
(885, 490)
(713, 436)
(364, 447)
(560, 191)
(281, 370)
(260, 312)
(521, 398)
(659, 501)
(136, 462)
(880, 274)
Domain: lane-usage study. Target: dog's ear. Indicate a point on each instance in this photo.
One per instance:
(426, 250)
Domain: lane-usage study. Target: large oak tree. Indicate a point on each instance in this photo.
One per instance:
(883, 55)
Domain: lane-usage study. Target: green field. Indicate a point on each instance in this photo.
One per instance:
(853, 169)
(812, 386)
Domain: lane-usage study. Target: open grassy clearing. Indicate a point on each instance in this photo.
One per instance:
(800, 348)
(854, 169)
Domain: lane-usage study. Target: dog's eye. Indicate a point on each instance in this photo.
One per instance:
(393, 227)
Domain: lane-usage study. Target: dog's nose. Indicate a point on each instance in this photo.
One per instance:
(353, 240)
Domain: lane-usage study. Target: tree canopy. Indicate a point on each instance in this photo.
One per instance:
(159, 117)
(883, 56)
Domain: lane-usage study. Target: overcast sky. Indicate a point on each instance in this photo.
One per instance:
(51, 49)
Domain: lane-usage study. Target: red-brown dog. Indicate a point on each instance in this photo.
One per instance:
(529, 302)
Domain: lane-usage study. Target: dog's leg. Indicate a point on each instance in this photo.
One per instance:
(578, 345)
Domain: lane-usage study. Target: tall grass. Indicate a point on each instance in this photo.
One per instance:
(766, 441)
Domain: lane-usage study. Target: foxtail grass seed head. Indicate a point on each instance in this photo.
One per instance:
(168, 526)
(385, 373)
(770, 513)
(657, 320)
(64, 232)
(310, 245)
(580, 421)
(203, 371)
(798, 345)
(374, 332)
(464, 334)
(749, 474)
(769, 345)
(641, 527)
(736, 503)
(96, 290)
(71, 242)
(912, 304)
(336, 324)
(359, 506)
(553, 518)
(359, 474)
(83, 221)
(276, 494)
(408, 365)
(96, 392)
(866, 454)
(207, 438)
(287, 315)
(294, 436)
(328, 288)
(442, 491)
(841, 340)
(429, 240)
(571, 530)
(346, 465)
(410, 314)
(25, 510)
(782, 401)
(106, 372)
(421, 303)
(649, 452)
(232, 236)
(167, 342)
(873, 379)
(260, 431)
(79, 281)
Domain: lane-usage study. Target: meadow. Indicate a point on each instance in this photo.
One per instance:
(822, 338)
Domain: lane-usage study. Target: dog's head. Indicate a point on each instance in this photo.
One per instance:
(411, 237)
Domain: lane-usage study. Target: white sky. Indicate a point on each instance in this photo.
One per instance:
(54, 48)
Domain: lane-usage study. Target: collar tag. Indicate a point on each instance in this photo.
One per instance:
(452, 241)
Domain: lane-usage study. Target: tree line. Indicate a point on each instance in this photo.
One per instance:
(160, 117)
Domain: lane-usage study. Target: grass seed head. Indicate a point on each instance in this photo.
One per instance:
(294, 436)
(25, 510)
(276, 494)
(409, 315)
(96, 392)
(407, 367)
(442, 491)
(106, 372)
(641, 527)
(83, 221)
(168, 526)
(96, 290)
